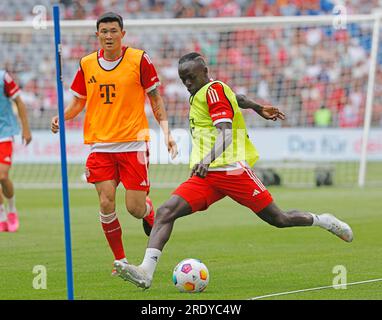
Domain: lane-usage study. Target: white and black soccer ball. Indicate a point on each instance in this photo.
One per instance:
(191, 275)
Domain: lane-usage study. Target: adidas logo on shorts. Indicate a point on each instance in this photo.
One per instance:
(255, 193)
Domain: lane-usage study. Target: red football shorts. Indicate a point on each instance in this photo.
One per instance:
(242, 185)
(6, 150)
(130, 168)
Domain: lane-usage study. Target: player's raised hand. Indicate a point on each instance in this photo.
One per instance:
(26, 136)
(271, 113)
(54, 127)
(172, 147)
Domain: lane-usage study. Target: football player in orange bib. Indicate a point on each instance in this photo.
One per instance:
(112, 83)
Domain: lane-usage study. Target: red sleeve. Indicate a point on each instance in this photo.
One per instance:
(219, 105)
(149, 76)
(10, 86)
(78, 86)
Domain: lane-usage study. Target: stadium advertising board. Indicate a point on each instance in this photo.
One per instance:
(273, 144)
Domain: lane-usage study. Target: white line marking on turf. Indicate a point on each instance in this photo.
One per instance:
(312, 289)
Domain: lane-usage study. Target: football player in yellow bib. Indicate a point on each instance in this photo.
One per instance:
(221, 162)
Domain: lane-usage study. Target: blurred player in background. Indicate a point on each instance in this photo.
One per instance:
(223, 170)
(9, 127)
(112, 83)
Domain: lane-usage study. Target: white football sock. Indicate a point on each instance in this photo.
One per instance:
(148, 210)
(150, 261)
(320, 221)
(3, 215)
(12, 204)
(124, 260)
(107, 218)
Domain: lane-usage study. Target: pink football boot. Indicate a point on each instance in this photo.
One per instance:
(3, 226)
(13, 222)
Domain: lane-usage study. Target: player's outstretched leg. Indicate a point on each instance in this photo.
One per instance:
(165, 217)
(278, 218)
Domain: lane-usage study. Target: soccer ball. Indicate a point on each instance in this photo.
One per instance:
(190, 275)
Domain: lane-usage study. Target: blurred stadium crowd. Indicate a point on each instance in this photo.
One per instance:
(300, 69)
(147, 9)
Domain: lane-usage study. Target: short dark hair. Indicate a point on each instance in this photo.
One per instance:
(192, 56)
(110, 17)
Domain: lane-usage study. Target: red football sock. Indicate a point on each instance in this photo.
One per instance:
(113, 233)
(150, 217)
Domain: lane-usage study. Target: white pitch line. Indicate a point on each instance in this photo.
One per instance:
(312, 289)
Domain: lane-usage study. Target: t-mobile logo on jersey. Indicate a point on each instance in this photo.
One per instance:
(106, 91)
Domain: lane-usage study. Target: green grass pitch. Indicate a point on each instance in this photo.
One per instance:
(245, 256)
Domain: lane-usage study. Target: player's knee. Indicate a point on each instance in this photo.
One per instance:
(3, 176)
(107, 204)
(136, 209)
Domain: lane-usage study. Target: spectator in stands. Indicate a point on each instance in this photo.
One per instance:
(66, 3)
(226, 8)
(323, 117)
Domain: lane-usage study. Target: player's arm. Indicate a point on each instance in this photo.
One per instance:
(160, 115)
(71, 111)
(268, 112)
(222, 142)
(12, 91)
(221, 113)
(26, 135)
